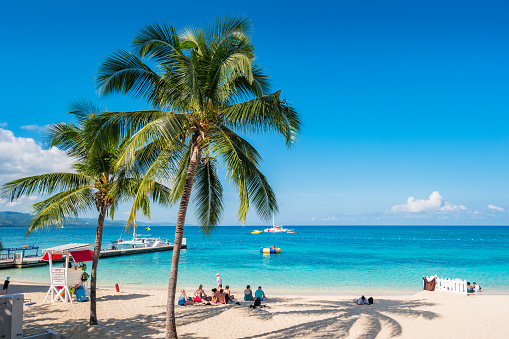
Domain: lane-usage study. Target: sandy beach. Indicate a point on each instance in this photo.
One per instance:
(141, 314)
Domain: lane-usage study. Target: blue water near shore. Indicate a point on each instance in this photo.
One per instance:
(317, 258)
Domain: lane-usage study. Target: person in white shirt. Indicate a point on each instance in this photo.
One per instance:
(362, 301)
(477, 288)
(219, 282)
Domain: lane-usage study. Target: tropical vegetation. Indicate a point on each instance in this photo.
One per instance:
(206, 92)
(96, 183)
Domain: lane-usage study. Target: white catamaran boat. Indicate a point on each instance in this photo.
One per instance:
(141, 240)
(275, 228)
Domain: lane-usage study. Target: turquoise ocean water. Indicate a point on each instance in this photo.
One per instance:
(329, 259)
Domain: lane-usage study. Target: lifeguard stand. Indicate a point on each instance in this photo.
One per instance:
(63, 277)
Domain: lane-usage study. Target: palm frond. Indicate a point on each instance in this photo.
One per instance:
(179, 177)
(267, 113)
(208, 196)
(124, 73)
(44, 184)
(61, 208)
(158, 41)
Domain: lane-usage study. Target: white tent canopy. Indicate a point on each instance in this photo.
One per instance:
(67, 247)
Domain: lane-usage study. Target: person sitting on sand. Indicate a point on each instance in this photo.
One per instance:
(227, 291)
(260, 294)
(477, 288)
(222, 297)
(362, 301)
(470, 289)
(182, 298)
(200, 293)
(214, 299)
(248, 294)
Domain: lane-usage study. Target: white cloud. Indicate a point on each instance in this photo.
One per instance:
(21, 157)
(495, 208)
(34, 127)
(19, 201)
(434, 204)
(3, 124)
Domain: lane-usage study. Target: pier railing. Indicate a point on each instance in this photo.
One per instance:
(450, 285)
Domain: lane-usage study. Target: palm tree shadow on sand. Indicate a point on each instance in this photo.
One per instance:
(339, 318)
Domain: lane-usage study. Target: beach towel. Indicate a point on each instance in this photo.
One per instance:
(429, 285)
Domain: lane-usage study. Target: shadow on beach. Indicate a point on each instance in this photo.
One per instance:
(340, 318)
(317, 319)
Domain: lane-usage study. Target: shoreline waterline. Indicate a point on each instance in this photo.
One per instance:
(325, 259)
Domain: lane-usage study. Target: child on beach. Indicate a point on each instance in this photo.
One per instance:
(5, 289)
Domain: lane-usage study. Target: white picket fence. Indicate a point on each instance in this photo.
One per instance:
(449, 285)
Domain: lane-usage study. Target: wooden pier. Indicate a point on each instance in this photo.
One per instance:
(37, 261)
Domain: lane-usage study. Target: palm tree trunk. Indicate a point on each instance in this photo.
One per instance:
(171, 328)
(93, 273)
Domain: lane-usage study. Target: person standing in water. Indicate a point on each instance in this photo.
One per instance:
(219, 282)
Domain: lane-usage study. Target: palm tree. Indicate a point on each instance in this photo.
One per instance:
(96, 183)
(205, 89)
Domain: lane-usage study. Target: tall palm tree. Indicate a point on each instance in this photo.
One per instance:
(96, 183)
(205, 89)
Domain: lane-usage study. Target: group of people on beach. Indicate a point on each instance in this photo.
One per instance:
(474, 288)
(219, 295)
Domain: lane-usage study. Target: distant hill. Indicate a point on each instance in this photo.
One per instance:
(16, 219)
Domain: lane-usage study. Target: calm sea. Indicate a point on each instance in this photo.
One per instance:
(329, 259)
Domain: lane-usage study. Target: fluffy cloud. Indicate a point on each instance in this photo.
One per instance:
(434, 204)
(34, 127)
(23, 199)
(21, 157)
(3, 124)
(494, 208)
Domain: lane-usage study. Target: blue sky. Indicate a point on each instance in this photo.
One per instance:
(399, 99)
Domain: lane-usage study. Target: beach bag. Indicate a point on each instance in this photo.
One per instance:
(197, 299)
(257, 302)
(80, 295)
(370, 300)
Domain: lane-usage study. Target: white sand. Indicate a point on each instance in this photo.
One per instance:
(141, 314)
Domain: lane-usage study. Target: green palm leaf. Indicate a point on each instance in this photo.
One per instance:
(208, 199)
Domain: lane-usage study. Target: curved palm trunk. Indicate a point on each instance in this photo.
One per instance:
(93, 273)
(171, 328)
